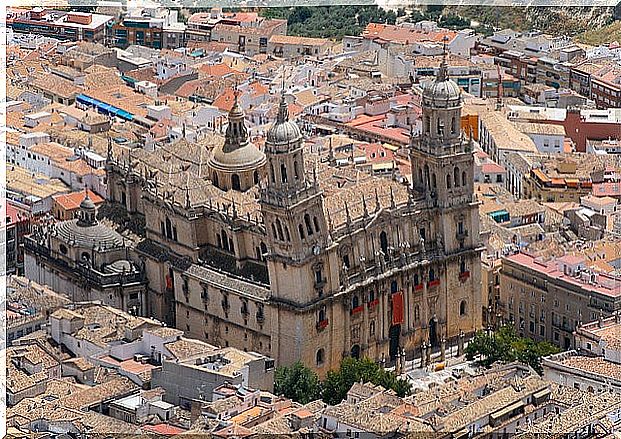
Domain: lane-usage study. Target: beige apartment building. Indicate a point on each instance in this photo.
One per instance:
(276, 252)
(547, 300)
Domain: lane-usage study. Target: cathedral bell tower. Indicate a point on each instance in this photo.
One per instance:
(443, 162)
(292, 208)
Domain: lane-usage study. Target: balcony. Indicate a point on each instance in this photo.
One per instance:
(357, 310)
(322, 324)
(433, 283)
(464, 275)
(373, 303)
(461, 235)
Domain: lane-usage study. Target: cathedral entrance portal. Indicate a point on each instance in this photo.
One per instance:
(394, 333)
(355, 351)
(433, 332)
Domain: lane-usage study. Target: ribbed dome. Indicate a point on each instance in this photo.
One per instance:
(87, 236)
(120, 266)
(442, 92)
(237, 153)
(283, 131)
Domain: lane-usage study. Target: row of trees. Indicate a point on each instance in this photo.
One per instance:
(301, 384)
(506, 346)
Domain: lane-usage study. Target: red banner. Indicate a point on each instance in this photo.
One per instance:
(397, 308)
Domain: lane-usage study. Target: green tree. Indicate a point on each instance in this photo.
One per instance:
(298, 383)
(352, 370)
(505, 346)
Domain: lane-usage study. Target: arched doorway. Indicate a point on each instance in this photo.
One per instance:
(433, 331)
(393, 347)
(355, 351)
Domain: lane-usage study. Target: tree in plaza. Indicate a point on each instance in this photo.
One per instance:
(505, 346)
(352, 370)
(302, 385)
(298, 383)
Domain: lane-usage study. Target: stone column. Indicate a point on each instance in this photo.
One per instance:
(403, 368)
(460, 344)
(443, 349)
(398, 367)
(423, 349)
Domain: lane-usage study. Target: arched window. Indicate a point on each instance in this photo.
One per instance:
(416, 313)
(448, 181)
(307, 221)
(283, 173)
(371, 296)
(427, 124)
(287, 234)
(394, 286)
(372, 328)
(456, 176)
(463, 308)
(316, 223)
(462, 265)
(453, 125)
(440, 127)
(420, 176)
(279, 229)
(255, 177)
(432, 275)
(225, 240)
(322, 314)
(296, 170)
(416, 280)
(263, 248)
(168, 228)
(272, 174)
(427, 175)
(384, 242)
(319, 357)
(301, 230)
(215, 179)
(274, 234)
(463, 178)
(235, 182)
(355, 302)
(433, 180)
(346, 261)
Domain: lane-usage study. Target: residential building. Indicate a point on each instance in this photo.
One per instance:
(547, 300)
(63, 25)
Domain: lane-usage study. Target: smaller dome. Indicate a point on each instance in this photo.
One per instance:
(237, 153)
(120, 266)
(283, 131)
(87, 203)
(441, 92)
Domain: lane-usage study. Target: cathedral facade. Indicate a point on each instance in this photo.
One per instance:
(278, 252)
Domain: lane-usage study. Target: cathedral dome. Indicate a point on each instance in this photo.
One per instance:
(77, 234)
(283, 131)
(86, 231)
(442, 92)
(237, 153)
